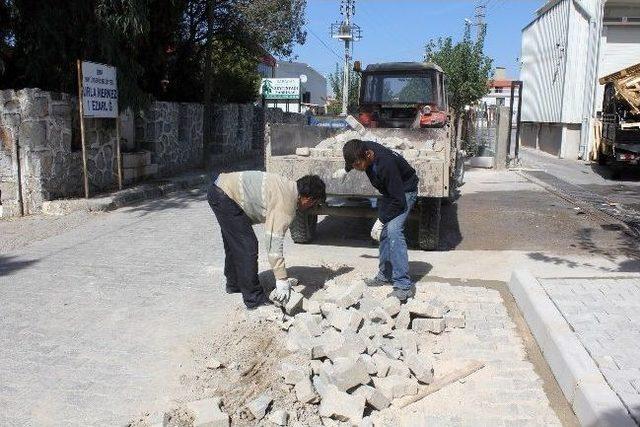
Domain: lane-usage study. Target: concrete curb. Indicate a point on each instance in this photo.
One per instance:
(146, 191)
(593, 401)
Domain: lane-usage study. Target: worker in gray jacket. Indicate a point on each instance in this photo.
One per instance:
(242, 199)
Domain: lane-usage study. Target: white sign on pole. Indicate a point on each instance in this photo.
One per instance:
(280, 88)
(99, 90)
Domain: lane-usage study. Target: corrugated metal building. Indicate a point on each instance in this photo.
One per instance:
(565, 49)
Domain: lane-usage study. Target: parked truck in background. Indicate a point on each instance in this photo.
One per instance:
(620, 139)
(403, 106)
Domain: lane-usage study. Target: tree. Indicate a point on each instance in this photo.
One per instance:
(336, 83)
(466, 66)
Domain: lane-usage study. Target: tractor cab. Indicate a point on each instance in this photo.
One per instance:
(403, 95)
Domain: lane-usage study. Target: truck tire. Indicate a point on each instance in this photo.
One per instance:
(303, 228)
(429, 223)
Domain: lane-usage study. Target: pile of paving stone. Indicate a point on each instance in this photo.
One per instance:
(360, 351)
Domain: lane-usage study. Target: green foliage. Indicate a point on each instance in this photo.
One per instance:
(166, 49)
(336, 83)
(466, 66)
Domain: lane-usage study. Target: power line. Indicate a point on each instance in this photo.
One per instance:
(324, 44)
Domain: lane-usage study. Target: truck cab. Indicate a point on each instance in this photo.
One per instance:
(403, 95)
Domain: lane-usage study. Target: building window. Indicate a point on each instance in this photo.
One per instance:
(497, 90)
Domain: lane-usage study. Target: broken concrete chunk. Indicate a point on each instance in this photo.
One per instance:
(207, 413)
(305, 392)
(259, 406)
(395, 386)
(279, 417)
(342, 406)
(432, 309)
(373, 397)
(392, 306)
(383, 364)
(303, 151)
(293, 374)
(435, 326)
(455, 319)
(422, 368)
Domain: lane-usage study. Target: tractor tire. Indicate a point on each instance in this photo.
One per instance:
(303, 228)
(429, 223)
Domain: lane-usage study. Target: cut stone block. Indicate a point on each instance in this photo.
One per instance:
(293, 374)
(422, 368)
(259, 406)
(403, 320)
(398, 368)
(348, 373)
(316, 365)
(348, 296)
(366, 422)
(373, 397)
(327, 308)
(369, 364)
(408, 343)
(320, 384)
(383, 364)
(379, 315)
(305, 392)
(303, 151)
(313, 307)
(435, 326)
(207, 413)
(392, 352)
(455, 319)
(294, 304)
(432, 309)
(342, 406)
(306, 324)
(279, 417)
(395, 386)
(391, 306)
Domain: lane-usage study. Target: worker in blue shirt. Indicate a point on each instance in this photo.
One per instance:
(397, 182)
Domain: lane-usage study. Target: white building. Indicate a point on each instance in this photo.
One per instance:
(565, 49)
(313, 85)
(499, 90)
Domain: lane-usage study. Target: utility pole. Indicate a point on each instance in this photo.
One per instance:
(480, 16)
(349, 33)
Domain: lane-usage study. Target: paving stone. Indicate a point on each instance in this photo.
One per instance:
(432, 308)
(421, 367)
(392, 306)
(435, 326)
(455, 319)
(390, 351)
(279, 417)
(294, 304)
(326, 308)
(383, 364)
(348, 373)
(403, 320)
(395, 386)
(342, 406)
(311, 306)
(380, 315)
(307, 324)
(374, 397)
(399, 368)
(207, 413)
(305, 392)
(369, 364)
(293, 374)
(260, 405)
(345, 320)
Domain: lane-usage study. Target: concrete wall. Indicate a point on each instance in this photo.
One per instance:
(558, 139)
(41, 150)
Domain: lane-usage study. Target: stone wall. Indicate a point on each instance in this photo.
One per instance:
(173, 134)
(37, 129)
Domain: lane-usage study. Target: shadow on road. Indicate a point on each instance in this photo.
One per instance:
(312, 278)
(178, 200)
(626, 246)
(617, 172)
(8, 265)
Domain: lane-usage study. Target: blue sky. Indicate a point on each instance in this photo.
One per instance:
(397, 30)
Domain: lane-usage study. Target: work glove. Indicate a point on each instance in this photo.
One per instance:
(282, 290)
(376, 230)
(340, 174)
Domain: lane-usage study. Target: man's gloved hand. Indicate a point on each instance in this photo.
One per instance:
(376, 230)
(282, 290)
(340, 174)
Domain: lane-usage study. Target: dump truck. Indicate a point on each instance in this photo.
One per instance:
(402, 106)
(620, 138)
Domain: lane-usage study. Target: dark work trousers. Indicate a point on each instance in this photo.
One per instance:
(240, 247)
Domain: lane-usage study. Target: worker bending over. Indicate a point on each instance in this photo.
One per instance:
(241, 199)
(392, 176)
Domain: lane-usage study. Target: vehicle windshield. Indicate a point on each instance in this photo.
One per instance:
(401, 88)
